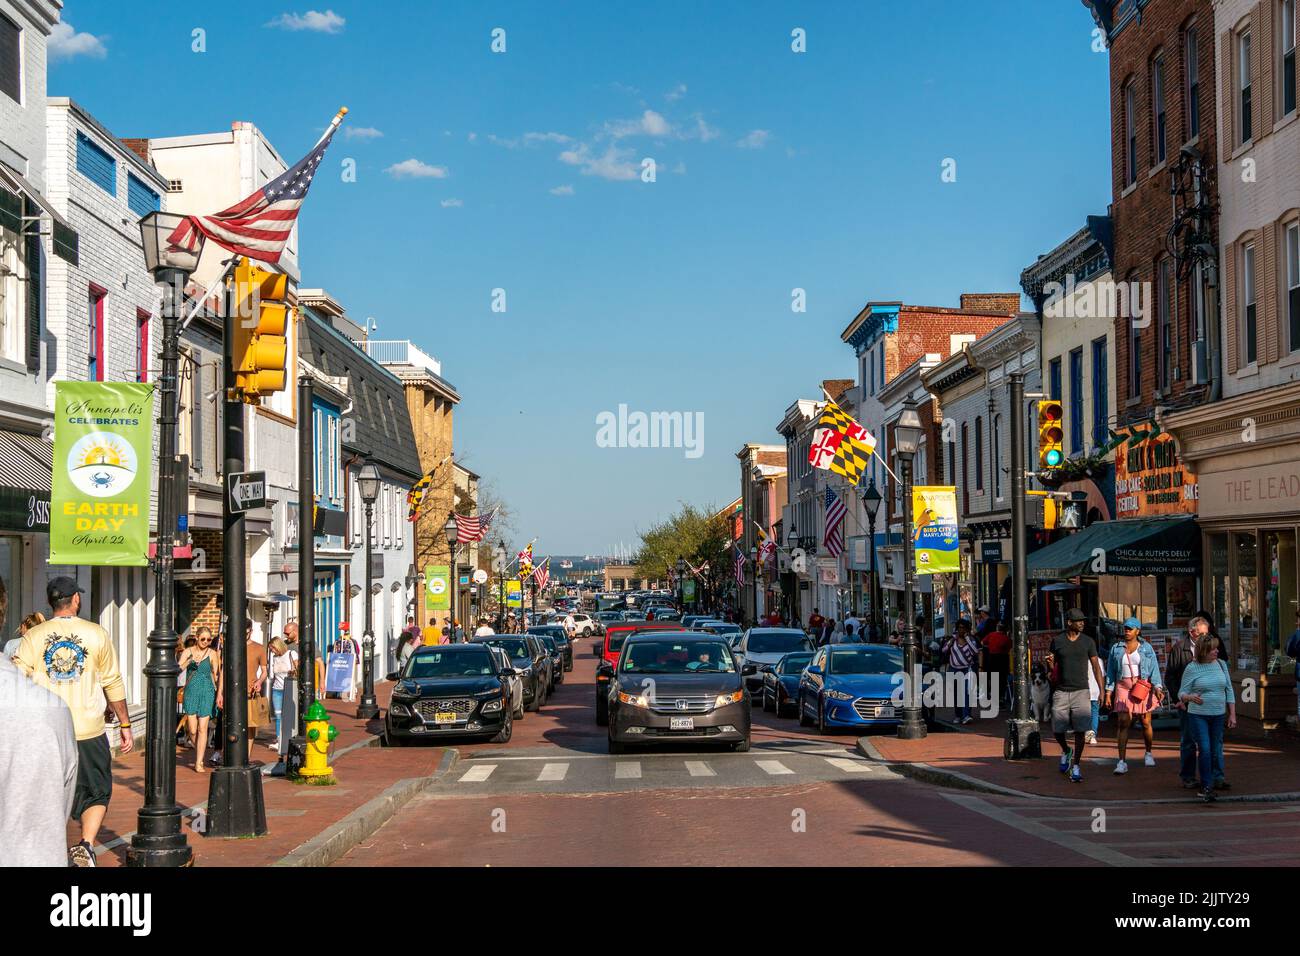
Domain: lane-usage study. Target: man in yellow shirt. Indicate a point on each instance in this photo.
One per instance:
(77, 662)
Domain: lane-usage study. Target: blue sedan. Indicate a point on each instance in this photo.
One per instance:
(781, 682)
(850, 685)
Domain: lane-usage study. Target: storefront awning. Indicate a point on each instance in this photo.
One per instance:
(64, 238)
(1142, 546)
(26, 468)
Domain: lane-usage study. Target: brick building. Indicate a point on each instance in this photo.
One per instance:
(763, 492)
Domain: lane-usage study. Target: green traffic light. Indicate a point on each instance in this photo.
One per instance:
(1053, 457)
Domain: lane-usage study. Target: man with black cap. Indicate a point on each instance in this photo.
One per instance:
(1072, 654)
(76, 660)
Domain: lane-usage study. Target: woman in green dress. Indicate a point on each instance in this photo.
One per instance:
(202, 666)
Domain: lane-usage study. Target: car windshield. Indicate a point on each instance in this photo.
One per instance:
(475, 663)
(677, 657)
(776, 642)
(794, 663)
(866, 660)
(722, 628)
(548, 641)
(516, 647)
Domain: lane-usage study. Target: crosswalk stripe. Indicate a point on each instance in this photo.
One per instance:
(627, 770)
(478, 773)
(553, 771)
(698, 768)
(851, 766)
(773, 767)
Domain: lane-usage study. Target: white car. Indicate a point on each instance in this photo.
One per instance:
(584, 625)
(516, 682)
(761, 647)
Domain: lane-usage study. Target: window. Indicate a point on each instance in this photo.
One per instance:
(950, 466)
(12, 290)
(1191, 69)
(175, 186)
(1243, 87)
(997, 456)
(1158, 108)
(1054, 379)
(11, 59)
(1288, 57)
(1100, 396)
(1164, 325)
(1292, 302)
(141, 345)
(965, 471)
(1130, 135)
(141, 199)
(979, 453)
(1134, 355)
(96, 164)
(1248, 336)
(1076, 401)
(95, 332)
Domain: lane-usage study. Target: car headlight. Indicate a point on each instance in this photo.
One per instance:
(733, 698)
(838, 695)
(492, 706)
(633, 700)
(399, 710)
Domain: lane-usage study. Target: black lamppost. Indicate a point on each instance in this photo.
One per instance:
(368, 488)
(871, 499)
(159, 839)
(681, 583)
(450, 528)
(907, 439)
(501, 586)
(792, 542)
(753, 560)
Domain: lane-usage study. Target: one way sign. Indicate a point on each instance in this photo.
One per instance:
(246, 490)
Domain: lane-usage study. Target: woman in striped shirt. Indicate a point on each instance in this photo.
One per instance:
(962, 652)
(1206, 692)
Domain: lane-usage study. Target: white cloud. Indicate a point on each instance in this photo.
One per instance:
(414, 169)
(472, 136)
(754, 139)
(613, 164)
(680, 169)
(361, 132)
(565, 190)
(65, 43)
(529, 139)
(648, 123)
(316, 22)
(452, 203)
(676, 93)
(704, 131)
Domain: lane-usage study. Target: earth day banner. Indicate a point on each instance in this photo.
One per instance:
(437, 588)
(103, 462)
(514, 593)
(934, 529)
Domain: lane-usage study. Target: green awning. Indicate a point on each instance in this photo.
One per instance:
(1141, 546)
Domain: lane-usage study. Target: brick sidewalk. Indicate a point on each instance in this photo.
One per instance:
(294, 812)
(1257, 767)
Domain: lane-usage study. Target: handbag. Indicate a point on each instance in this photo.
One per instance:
(1141, 688)
(259, 711)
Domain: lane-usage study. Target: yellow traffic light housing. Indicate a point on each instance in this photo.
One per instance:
(1051, 435)
(261, 346)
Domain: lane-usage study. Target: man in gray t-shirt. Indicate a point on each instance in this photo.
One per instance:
(1073, 654)
(38, 772)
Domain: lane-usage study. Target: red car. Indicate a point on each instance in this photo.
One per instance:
(610, 648)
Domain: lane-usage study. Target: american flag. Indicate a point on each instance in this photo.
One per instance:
(542, 574)
(740, 568)
(834, 537)
(471, 528)
(259, 225)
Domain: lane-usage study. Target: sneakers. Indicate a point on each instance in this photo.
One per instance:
(1064, 765)
(82, 854)
(1149, 760)
(968, 720)
(1090, 737)
(1121, 767)
(1208, 796)
(1075, 775)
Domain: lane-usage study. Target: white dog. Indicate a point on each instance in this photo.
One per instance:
(1040, 693)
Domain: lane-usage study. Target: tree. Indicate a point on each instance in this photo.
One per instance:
(699, 536)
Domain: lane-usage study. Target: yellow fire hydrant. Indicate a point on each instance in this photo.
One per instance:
(320, 734)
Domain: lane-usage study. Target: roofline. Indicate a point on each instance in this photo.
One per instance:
(130, 155)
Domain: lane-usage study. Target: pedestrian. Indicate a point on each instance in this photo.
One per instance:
(995, 658)
(1177, 658)
(853, 622)
(484, 629)
(1072, 654)
(984, 622)
(256, 669)
(77, 661)
(570, 626)
(283, 663)
(1293, 652)
(815, 622)
(1133, 689)
(29, 622)
(38, 767)
(201, 665)
(962, 651)
(1206, 692)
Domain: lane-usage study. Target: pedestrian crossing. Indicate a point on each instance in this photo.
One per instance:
(593, 772)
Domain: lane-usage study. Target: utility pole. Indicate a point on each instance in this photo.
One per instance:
(1023, 739)
(306, 568)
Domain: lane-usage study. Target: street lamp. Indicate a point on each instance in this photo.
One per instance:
(159, 839)
(368, 488)
(753, 560)
(907, 439)
(501, 586)
(681, 582)
(871, 499)
(450, 528)
(792, 542)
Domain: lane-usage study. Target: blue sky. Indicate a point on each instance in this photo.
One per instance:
(775, 170)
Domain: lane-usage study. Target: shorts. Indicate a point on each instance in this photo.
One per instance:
(1071, 710)
(94, 775)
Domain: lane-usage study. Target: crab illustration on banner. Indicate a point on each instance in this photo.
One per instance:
(840, 444)
(934, 529)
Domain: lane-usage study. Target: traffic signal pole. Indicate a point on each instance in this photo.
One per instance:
(1023, 739)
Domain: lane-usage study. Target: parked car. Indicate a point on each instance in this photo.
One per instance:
(781, 682)
(450, 690)
(557, 658)
(557, 631)
(605, 618)
(583, 625)
(530, 659)
(674, 685)
(608, 651)
(516, 683)
(761, 647)
(690, 620)
(849, 685)
(721, 628)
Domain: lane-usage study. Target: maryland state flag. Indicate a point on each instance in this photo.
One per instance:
(840, 444)
(526, 562)
(416, 495)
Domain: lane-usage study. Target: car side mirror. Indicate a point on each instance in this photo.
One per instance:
(392, 676)
(813, 669)
(748, 669)
(605, 668)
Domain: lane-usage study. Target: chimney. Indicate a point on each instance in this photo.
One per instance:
(138, 146)
(1007, 303)
(836, 387)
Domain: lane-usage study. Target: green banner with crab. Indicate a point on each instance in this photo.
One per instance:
(103, 465)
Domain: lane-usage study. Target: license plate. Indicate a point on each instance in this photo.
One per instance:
(445, 718)
(681, 723)
(887, 711)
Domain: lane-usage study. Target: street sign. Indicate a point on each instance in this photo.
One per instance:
(246, 490)
(480, 576)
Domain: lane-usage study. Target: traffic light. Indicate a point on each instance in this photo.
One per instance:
(1051, 434)
(260, 345)
(1041, 510)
